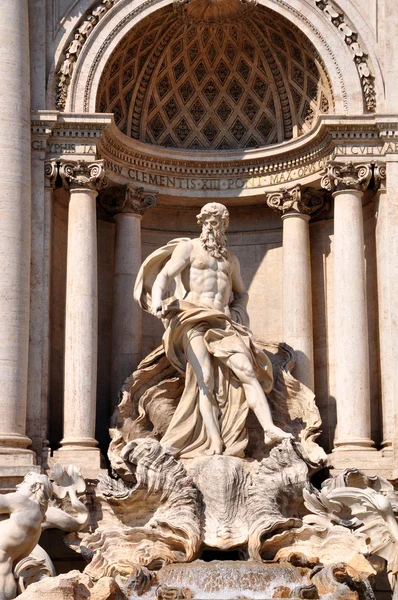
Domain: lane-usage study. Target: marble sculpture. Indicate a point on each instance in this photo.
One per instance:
(194, 470)
(29, 513)
(208, 338)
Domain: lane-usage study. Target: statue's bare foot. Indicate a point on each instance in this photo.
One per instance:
(275, 434)
(216, 447)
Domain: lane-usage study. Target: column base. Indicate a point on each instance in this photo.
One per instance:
(14, 440)
(11, 476)
(353, 444)
(369, 460)
(15, 460)
(88, 459)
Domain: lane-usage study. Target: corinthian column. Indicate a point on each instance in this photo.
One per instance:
(81, 319)
(15, 227)
(347, 182)
(296, 208)
(128, 206)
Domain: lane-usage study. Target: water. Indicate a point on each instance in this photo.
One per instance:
(228, 580)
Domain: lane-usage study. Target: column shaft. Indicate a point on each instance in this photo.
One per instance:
(15, 226)
(350, 323)
(126, 318)
(81, 321)
(297, 294)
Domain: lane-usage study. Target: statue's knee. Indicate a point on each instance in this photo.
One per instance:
(246, 373)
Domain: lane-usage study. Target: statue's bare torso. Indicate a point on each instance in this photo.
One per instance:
(208, 280)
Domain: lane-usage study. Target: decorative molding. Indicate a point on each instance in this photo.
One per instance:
(337, 17)
(301, 161)
(347, 176)
(299, 16)
(145, 80)
(143, 6)
(81, 174)
(112, 147)
(148, 3)
(213, 12)
(379, 174)
(214, 88)
(80, 36)
(280, 84)
(51, 171)
(295, 201)
(126, 199)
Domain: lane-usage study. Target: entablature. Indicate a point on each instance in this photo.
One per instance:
(222, 174)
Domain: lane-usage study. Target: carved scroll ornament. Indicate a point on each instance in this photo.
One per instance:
(294, 200)
(346, 176)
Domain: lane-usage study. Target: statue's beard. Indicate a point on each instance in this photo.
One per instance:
(215, 242)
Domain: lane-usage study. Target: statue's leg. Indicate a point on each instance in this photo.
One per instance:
(8, 586)
(256, 399)
(201, 362)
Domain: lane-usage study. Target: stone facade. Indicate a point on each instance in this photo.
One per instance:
(129, 116)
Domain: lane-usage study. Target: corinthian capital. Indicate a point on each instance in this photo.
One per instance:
(295, 201)
(82, 174)
(126, 199)
(346, 176)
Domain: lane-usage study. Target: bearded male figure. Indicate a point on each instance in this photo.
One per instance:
(208, 339)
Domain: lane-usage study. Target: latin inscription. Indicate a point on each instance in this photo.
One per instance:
(62, 148)
(366, 150)
(207, 184)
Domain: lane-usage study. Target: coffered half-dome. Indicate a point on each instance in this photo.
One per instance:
(202, 84)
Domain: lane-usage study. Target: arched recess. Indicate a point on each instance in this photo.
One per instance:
(333, 50)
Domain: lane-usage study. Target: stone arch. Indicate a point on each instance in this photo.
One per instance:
(319, 30)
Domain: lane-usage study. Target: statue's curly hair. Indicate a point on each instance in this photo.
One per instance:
(35, 481)
(214, 209)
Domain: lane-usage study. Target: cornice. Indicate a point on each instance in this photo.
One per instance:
(321, 141)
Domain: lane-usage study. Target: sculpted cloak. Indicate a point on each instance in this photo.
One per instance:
(224, 335)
